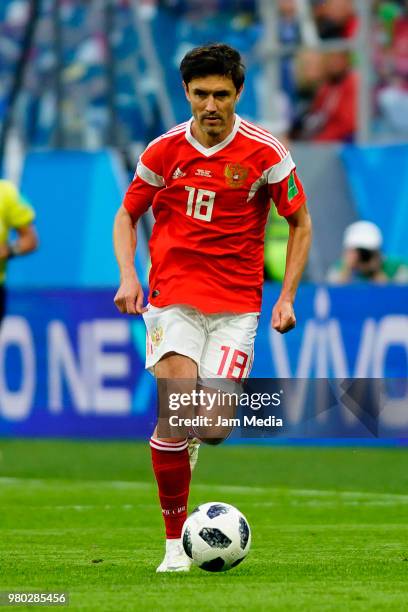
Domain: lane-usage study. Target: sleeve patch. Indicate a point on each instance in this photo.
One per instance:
(293, 189)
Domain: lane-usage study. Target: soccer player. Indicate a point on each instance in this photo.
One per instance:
(15, 214)
(210, 181)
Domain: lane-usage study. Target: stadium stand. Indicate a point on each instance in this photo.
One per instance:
(147, 39)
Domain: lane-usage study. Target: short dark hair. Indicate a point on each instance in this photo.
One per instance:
(216, 58)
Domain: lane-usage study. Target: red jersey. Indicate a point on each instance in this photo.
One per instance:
(210, 207)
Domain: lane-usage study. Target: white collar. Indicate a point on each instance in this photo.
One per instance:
(208, 151)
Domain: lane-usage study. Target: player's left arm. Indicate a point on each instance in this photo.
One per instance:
(300, 237)
(290, 201)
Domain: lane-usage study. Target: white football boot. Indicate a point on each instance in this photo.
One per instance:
(175, 559)
(193, 448)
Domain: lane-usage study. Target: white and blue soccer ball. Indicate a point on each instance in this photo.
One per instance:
(216, 536)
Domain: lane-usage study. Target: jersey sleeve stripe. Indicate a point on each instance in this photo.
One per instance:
(280, 171)
(178, 129)
(257, 128)
(263, 133)
(153, 142)
(274, 174)
(270, 139)
(175, 133)
(261, 139)
(149, 176)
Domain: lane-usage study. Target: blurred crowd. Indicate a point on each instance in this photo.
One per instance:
(390, 46)
(322, 86)
(319, 65)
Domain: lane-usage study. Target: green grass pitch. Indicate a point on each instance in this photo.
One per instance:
(329, 526)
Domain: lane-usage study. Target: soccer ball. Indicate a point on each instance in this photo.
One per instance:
(216, 536)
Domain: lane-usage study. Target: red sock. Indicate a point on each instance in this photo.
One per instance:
(171, 467)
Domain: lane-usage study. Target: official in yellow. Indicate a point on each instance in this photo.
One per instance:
(15, 214)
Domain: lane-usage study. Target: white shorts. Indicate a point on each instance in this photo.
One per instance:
(222, 345)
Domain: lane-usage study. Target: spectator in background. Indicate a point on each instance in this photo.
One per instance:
(400, 41)
(392, 101)
(386, 12)
(15, 214)
(391, 60)
(333, 114)
(309, 75)
(335, 18)
(289, 27)
(363, 260)
(289, 34)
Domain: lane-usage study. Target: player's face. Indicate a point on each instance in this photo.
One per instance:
(213, 99)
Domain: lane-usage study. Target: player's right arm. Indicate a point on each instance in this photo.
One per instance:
(129, 297)
(138, 198)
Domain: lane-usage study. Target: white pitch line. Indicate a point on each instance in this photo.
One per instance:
(355, 495)
(270, 491)
(41, 482)
(91, 507)
(348, 494)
